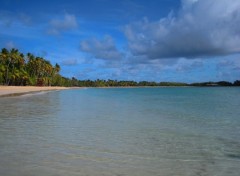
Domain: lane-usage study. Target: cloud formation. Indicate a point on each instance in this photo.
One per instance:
(101, 49)
(70, 62)
(8, 18)
(66, 23)
(201, 28)
(10, 45)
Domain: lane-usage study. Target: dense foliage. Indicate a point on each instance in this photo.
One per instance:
(19, 69)
(115, 83)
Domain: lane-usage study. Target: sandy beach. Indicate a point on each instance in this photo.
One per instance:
(16, 90)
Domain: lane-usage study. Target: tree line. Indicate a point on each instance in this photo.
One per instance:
(17, 69)
(114, 83)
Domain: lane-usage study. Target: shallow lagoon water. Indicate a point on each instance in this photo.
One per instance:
(186, 131)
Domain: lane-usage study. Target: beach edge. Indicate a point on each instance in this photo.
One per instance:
(9, 91)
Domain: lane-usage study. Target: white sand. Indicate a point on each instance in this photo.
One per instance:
(10, 90)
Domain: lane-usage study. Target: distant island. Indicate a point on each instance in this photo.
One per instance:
(17, 69)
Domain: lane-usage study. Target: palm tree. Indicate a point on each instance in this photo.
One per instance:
(17, 63)
(5, 60)
(57, 67)
(17, 69)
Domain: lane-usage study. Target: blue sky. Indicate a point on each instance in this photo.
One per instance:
(160, 40)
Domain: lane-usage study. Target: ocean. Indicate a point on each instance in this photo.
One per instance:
(168, 131)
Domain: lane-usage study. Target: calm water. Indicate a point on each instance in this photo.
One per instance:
(118, 132)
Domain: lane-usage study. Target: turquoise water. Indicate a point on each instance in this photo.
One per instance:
(122, 131)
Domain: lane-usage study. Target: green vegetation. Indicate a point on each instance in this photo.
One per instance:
(115, 83)
(18, 69)
(220, 83)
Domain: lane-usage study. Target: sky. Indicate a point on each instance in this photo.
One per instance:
(159, 40)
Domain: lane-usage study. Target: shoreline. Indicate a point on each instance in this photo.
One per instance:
(8, 91)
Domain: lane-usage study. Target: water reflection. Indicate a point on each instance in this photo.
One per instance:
(29, 105)
(117, 132)
(25, 122)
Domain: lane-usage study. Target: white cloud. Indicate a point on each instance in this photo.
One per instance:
(201, 28)
(101, 49)
(70, 62)
(10, 45)
(8, 18)
(57, 26)
(186, 65)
